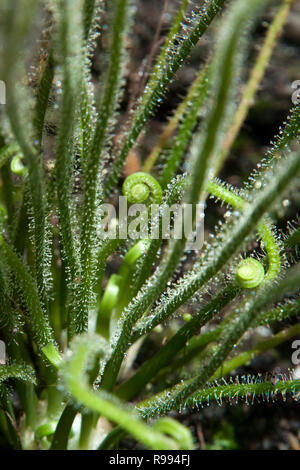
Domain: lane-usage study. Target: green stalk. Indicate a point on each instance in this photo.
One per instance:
(247, 356)
(256, 77)
(265, 389)
(162, 61)
(43, 95)
(38, 323)
(87, 423)
(91, 166)
(88, 12)
(293, 239)
(17, 25)
(181, 111)
(234, 392)
(63, 428)
(17, 371)
(186, 128)
(70, 36)
(8, 193)
(157, 73)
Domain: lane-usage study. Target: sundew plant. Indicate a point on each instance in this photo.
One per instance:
(97, 357)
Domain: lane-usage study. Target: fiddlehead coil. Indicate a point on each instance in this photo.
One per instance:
(250, 273)
(142, 188)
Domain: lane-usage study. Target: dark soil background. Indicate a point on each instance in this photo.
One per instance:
(260, 425)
